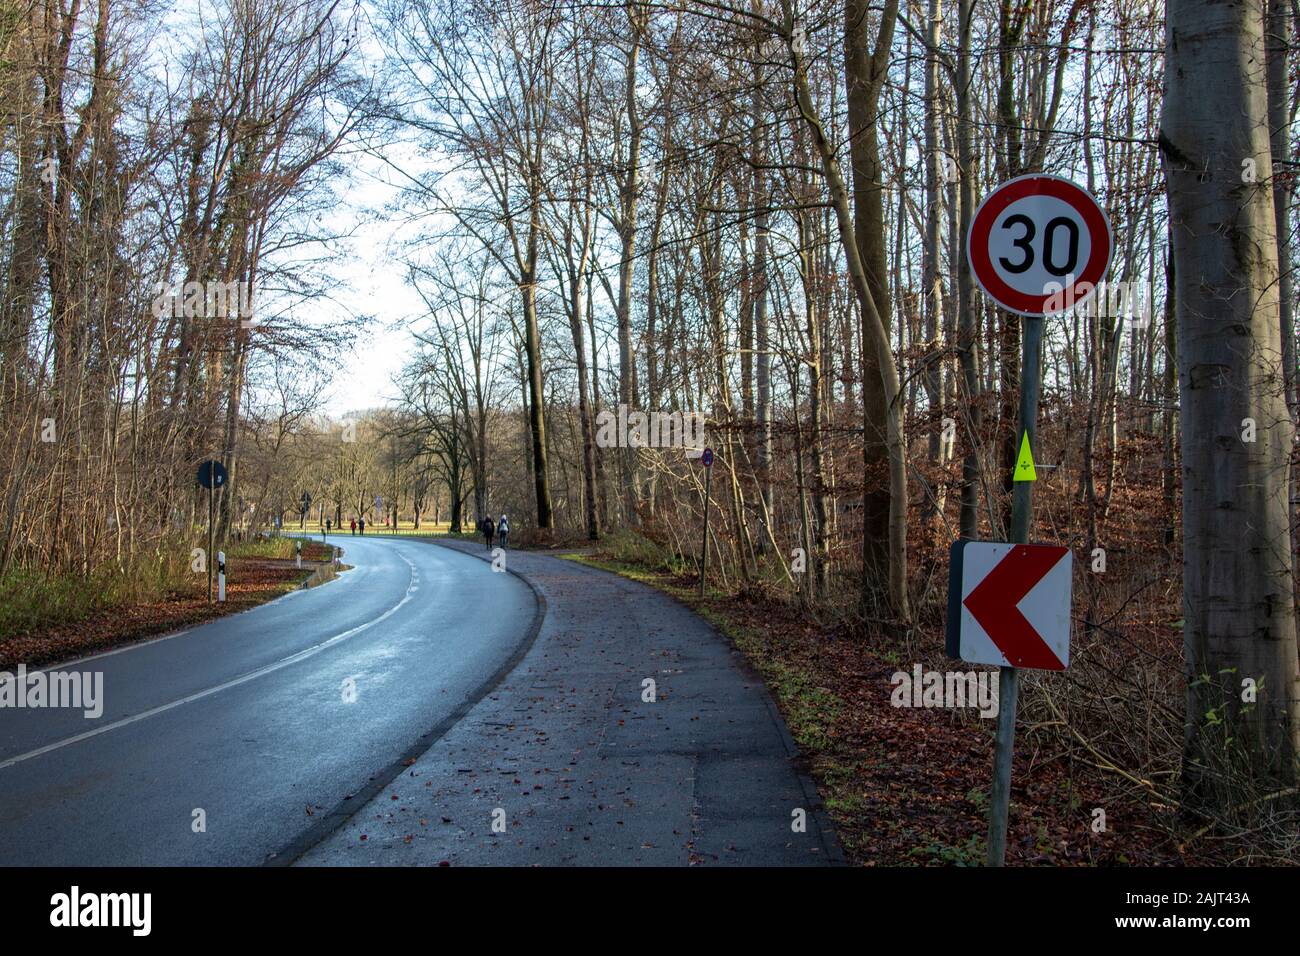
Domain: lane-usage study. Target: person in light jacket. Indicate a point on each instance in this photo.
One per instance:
(503, 530)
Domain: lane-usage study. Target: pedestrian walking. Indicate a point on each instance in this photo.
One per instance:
(327, 526)
(361, 525)
(486, 528)
(503, 529)
(354, 525)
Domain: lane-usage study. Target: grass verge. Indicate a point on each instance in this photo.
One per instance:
(47, 619)
(904, 785)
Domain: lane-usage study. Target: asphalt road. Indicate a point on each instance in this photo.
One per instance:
(249, 719)
(630, 733)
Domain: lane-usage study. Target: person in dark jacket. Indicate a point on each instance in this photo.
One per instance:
(486, 528)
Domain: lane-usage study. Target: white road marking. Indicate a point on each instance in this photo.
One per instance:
(136, 645)
(244, 679)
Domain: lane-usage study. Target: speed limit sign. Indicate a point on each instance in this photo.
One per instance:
(1039, 245)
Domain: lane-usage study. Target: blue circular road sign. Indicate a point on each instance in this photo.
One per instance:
(212, 474)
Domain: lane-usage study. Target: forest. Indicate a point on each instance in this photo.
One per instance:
(750, 213)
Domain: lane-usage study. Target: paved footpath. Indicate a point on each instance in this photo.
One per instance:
(568, 759)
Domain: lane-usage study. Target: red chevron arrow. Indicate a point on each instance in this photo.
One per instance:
(993, 604)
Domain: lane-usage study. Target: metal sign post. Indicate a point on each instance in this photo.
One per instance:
(1022, 510)
(707, 459)
(208, 560)
(211, 475)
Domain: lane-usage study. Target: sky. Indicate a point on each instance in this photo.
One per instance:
(370, 274)
(373, 285)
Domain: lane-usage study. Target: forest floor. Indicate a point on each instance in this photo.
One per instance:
(909, 785)
(252, 579)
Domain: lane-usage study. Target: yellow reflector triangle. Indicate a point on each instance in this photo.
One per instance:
(1025, 462)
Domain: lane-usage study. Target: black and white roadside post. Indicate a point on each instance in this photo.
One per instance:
(221, 577)
(1039, 245)
(297, 554)
(211, 475)
(707, 460)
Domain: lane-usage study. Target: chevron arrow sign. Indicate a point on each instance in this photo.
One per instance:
(1014, 608)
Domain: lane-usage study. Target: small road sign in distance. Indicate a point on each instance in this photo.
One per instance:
(707, 458)
(1014, 608)
(1039, 245)
(211, 474)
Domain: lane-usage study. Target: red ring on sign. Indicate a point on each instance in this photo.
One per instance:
(977, 245)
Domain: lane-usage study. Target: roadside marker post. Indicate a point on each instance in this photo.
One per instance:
(1038, 245)
(707, 460)
(297, 554)
(221, 577)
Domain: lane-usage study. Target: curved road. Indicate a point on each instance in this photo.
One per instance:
(249, 719)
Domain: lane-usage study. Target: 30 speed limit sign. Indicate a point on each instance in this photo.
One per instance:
(1039, 244)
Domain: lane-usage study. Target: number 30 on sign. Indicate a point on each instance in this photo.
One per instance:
(1039, 245)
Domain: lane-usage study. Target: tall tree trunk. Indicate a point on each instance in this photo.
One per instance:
(576, 309)
(630, 188)
(931, 285)
(536, 416)
(875, 334)
(762, 202)
(601, 483)
(1279, 36)
(865, 72)
(1170, 393)
(807, 226)
(1239, 612)
(968, 318)
(763, 377)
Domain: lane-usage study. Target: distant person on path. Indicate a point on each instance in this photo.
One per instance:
(327, 525)
(361, 525)
(486, 528)
(354, 525)
(503, 530)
